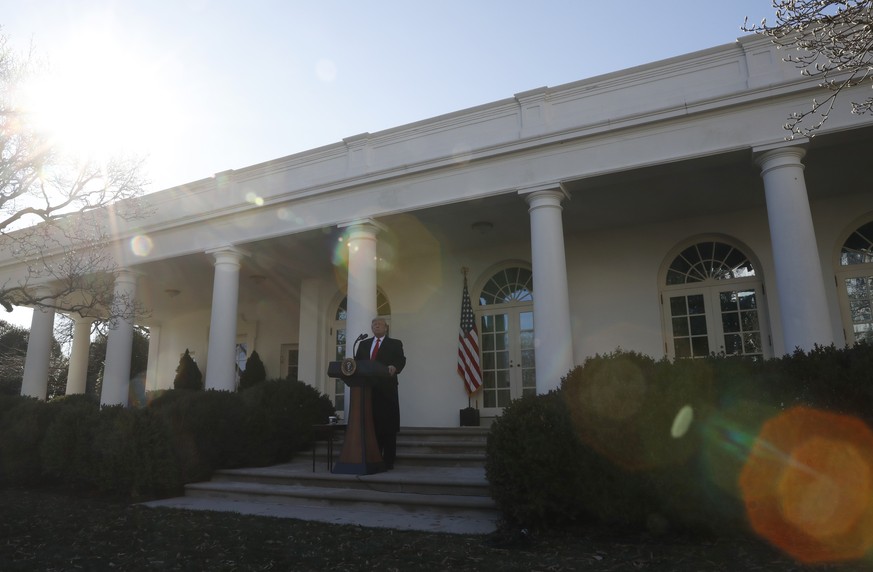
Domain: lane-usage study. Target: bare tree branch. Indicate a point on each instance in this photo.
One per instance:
(57, 211)
(831, 42)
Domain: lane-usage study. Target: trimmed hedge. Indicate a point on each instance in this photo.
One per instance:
(632, 441)
(183, 436)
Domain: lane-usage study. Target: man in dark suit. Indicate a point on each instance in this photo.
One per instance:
(386, 402)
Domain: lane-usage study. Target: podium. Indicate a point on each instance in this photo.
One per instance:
(360, 454)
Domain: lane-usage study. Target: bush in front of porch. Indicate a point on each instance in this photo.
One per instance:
(660, 445)
(182, 436)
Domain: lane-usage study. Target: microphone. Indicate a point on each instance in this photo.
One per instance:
(355, 345)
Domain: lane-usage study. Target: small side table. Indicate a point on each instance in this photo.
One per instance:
(326, 432)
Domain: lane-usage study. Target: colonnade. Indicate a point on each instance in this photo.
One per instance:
(803, 306)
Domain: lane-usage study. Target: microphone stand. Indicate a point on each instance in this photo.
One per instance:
(355, 345)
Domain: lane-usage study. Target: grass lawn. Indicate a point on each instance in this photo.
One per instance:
(49, 530)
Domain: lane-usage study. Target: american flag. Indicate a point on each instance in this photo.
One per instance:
(468, 346)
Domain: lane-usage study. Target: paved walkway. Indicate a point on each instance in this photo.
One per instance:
(380, 517)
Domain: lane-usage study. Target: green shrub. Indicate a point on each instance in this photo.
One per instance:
(22, 428)
(540, 474)
(133, 454)
(188, 375)
(279, 419)
(254, 373)
(67, 450)
(207, 430)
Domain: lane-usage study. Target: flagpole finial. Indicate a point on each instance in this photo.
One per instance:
(464, 271)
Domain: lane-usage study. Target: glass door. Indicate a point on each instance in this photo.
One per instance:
(715, 320)
(507, 341)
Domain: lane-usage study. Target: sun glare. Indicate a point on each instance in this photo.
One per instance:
(98, 98)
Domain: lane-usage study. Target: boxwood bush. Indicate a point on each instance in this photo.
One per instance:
(279, 419)
(633, 441)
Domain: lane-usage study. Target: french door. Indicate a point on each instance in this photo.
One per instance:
(507, 343)
(716, 320)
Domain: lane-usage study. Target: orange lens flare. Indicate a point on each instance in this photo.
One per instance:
(808, 484)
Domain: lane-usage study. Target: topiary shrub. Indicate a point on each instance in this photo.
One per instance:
(279, 419)
(188, 375)
(254, 373)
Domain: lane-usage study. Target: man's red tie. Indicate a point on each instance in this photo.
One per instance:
(375, 349)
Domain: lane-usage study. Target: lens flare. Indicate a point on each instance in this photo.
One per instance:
(682, 422)
(808, 485)
(141, 245)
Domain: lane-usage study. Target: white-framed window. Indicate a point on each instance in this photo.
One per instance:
(336, 388)
(712, 302)
(506, 336)
(855, 281)
(289, 361)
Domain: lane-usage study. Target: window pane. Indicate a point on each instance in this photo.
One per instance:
(750, 321)
(488, 379)
(502, 379)
(500, 323)
(487, 324)
(677, 306)
(748, 300)
(489, 399)
(503, 398)
(860, 311)
(727, 301)
(695, 304)
(488, 360)
(682, 347)
(501, 360)
(501, 341)
(526, 321)
(730, 322)
(733, 344)
(487, 342)
(700, 346)
(527, 358)
(680, 327)
(752, 343)
(698, 325)
(527, 340)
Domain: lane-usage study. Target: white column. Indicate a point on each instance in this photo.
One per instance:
(220, 358)
(119, 345)
(77, 372)
(803, 303)
(553, 338)
(39, 348)
(312, 366)
(361, 308)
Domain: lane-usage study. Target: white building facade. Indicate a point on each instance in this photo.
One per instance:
(657, 209)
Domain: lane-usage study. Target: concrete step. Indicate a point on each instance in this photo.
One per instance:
(442, 480)
(366, 499)
(438, 447)
(438, 484)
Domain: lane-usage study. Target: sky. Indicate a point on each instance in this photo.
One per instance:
(198, 87)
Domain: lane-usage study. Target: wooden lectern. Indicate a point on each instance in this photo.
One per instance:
(360, 453)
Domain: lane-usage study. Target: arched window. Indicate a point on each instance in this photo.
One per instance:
(506, 333)
(383, 308)
(856, 276)
(514, 284)
(711, 302)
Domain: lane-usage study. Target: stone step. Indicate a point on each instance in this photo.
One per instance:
(361, 499)
(438, 484)
(442, 480)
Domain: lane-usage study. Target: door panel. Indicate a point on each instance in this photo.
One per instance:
(508, 366)
(716, 320)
